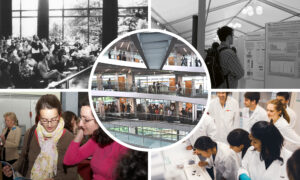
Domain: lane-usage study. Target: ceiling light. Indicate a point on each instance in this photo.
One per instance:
(244, 11)
(259, 10)
(251, 13)
(230, 24)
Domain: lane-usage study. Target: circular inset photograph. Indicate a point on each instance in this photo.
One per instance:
(149, 89)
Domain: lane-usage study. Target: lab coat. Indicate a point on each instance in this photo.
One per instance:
(293, 117)
(207, 127)
(226, 118)
(225, 164)
(255, 168)
(259, 114)
(292, 139)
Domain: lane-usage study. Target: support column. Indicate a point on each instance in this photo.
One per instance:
(5, 18)
(201, 27)
(110, 21)
(43, 19)
(195, 31)
(99, 82)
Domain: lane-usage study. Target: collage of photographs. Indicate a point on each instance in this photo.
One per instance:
(149, 90)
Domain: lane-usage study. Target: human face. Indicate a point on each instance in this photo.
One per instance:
(247, 102)
(9, 122)
(272, 112)
(237, 149)
(87, 121)
(282, 100)
(256, 143)
(49, 119)
(205, 154)
(222, 96)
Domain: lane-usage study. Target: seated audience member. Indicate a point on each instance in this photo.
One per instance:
(45, 71)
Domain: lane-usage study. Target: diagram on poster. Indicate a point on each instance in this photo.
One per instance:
(283, 48)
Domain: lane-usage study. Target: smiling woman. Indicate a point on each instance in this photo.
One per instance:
(45, 151)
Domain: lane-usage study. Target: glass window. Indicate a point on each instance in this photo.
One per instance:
(69, 4)
(29, 5)
(27, 27)
(96, 3)
(75, 29)
(55, 13)
(75, 12)
(55, 28)
(55, 4)
(97, 12)
(29, 13)
(16, 5)
(16, 14)
(16, 27)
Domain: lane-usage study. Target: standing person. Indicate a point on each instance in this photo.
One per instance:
(109, 84)
(70, 119)
(280, 118)
(284, 97)
(252, 112)
(10, 139)
(47, 145)
(219, 156)
(105, 152)
(231, 66)
(265, 159)
(293, 166)
(225, 111)
(239, 142)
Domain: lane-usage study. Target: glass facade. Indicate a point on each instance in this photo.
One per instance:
(75, 20)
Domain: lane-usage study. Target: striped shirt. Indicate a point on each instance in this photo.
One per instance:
(230, 65)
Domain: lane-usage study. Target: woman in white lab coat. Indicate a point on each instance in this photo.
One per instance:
(239, 142)
(280, 118)
(218, 155)
(293, 166)
(225, 111)
(265, 159)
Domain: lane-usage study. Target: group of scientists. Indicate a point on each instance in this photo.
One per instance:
(264, 146)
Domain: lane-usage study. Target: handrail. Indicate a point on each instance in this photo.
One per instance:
(67, 79)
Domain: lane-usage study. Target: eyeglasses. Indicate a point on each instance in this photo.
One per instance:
(46, 121)
(85, 120)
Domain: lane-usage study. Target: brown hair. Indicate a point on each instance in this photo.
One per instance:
(280, 107)
(13, 116)
(48, 101)
(68, 117)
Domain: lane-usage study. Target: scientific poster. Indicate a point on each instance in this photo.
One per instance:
(254, 56)
(283, 48)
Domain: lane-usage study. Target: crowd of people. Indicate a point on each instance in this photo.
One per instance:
(54, 148)
(34, 63)
(258, 148)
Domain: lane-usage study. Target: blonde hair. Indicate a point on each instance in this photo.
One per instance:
(280, 107)
(13, 116)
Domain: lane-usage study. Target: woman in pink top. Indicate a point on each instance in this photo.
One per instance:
(105, 152)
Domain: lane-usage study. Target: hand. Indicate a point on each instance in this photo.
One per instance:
(7, 171)
(79, 135)
(190, 147)
(202, 163)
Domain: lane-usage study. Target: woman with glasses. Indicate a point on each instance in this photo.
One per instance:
(47, 145)
(105, 152)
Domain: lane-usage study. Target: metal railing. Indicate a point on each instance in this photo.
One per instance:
(153, 89)
(66, 81)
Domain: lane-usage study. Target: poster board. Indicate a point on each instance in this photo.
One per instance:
(282, 55)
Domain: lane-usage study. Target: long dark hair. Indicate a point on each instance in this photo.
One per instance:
(204, 143)
(239, 137)
(68, 116)
(293, 166)
(270, 138)
(102, 138)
